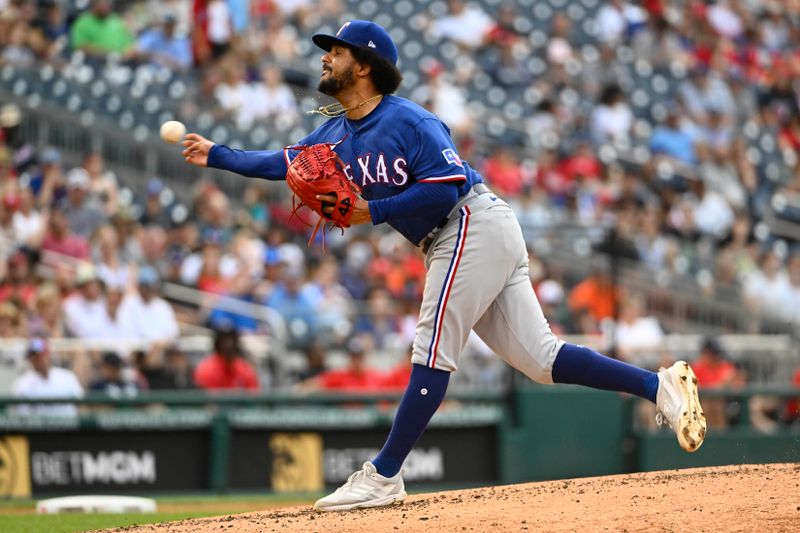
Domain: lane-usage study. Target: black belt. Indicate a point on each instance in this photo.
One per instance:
(425, 244)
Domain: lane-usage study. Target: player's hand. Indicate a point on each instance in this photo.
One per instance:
(196, 149)
(360, 214)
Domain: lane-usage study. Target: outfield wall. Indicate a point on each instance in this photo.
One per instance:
(537, 433)
(571, 432)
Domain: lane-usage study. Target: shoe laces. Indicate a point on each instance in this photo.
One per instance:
(355, 476)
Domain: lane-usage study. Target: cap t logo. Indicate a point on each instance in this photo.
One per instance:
(371, 44)
(346, 24)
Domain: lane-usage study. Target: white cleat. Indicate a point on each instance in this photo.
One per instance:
(365, 488)
(679, 406)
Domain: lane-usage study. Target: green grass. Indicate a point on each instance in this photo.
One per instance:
(22, 504)
(62, 523)
(18, 516)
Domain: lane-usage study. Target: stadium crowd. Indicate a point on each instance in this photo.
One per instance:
(79, 258)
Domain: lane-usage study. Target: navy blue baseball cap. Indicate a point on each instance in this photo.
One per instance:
(37, 345)
(360, 33)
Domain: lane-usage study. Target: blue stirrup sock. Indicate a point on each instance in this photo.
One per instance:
(422, 398)
(579, 365)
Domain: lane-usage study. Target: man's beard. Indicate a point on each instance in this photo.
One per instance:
(333, 85)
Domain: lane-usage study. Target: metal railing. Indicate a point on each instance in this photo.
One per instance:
(209, 301)
(134, 160)
(192, 408)
(238, 398)
(676, 300)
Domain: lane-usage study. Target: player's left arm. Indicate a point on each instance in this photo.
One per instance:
(418, 200)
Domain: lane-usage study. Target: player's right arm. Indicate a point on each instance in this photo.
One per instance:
(267, 164)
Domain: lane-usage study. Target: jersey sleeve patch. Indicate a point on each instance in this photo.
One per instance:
(451, 157)
(433, 156)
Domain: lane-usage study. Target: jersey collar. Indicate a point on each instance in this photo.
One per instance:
(373, 115)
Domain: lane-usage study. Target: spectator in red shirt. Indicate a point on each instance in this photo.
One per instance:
(211, 278)
(505, 173)
(396, 379)
(503, 33)
(582, 165)
(713, 371)
(550, 177)
(790, 134)
(226, 368)
(654, 7)
(201, 47)
(356, 377)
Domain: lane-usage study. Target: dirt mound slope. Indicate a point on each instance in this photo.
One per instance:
(731, 498)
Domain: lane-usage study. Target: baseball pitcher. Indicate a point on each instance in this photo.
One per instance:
(381, 158)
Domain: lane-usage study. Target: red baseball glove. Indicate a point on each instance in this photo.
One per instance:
(318, 170)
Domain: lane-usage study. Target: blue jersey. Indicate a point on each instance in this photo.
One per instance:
(398, 145)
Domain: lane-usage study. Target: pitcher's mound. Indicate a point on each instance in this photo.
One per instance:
(731, 498)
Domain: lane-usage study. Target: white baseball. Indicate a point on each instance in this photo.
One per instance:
(172, 131)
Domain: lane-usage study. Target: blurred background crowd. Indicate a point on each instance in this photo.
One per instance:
(655, 141)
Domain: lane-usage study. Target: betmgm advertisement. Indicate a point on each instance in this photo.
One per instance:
(311, 461)
(75, 462)
(24, 472)
(173, 460)
(300, 463)
(15, 473)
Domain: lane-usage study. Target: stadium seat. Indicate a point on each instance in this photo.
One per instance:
(542, 12)
(404, 9)
(575, 12)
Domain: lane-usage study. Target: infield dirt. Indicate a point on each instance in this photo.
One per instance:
(731, 498)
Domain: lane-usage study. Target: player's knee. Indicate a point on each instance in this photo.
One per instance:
(542, 376)
(544, 357)
(438, 362)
